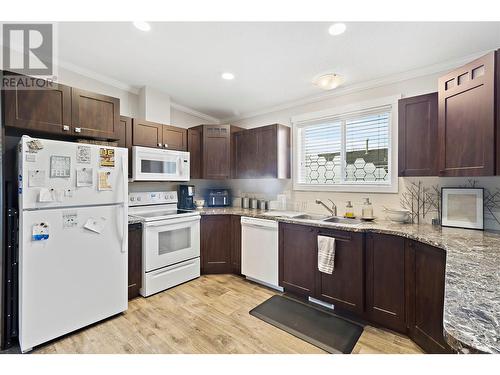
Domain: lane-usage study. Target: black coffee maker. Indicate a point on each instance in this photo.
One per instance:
(186, 197)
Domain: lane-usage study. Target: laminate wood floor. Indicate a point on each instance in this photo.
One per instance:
(206, 315)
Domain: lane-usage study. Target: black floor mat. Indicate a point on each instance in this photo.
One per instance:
(317, 327)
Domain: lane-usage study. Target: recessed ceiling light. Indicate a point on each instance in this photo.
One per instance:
(328, 81)
(337, 28)
(142, 25)
(227, 76)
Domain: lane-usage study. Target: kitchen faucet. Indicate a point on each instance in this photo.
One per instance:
(333, 210)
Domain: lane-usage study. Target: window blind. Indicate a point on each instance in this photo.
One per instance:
(352, 148)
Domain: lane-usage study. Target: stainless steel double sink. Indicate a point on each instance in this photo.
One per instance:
(329, 219)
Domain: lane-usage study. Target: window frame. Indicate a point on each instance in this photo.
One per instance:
(360, 108)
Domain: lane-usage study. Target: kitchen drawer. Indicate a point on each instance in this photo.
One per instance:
(168, 277)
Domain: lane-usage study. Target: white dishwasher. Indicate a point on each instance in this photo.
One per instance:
(259, 251)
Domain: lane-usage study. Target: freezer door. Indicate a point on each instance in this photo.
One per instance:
(48, 176)
(75, 277)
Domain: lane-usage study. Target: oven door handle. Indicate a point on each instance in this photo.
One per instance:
(164, 223)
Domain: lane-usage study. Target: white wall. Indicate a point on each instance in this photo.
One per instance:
(154, 105)
(417, 86)
(185, 120)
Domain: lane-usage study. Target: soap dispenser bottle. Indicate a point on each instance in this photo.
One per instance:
(349, 210)
(367, 210)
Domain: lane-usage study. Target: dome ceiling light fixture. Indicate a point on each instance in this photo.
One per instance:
(328, 81)
(142, 25)
(337, 28)
(227, 76)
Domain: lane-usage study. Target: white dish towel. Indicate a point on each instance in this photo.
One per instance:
(326, 254)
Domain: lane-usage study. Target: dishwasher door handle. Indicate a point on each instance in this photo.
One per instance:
(259, 226)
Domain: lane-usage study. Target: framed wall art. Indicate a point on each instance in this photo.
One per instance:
(462, 207)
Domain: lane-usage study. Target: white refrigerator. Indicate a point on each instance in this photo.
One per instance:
(73, 226)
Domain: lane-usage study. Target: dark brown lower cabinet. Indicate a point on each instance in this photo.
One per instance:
(345, 286)
(236, 244)
(134, 259)
(215, 242)
(298, 266)
(385, 281)
(297, 258)
(425, 278)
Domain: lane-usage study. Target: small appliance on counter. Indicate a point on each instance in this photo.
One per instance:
(186, 197)
(218, 198)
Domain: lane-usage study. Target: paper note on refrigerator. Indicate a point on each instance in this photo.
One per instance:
(107, 157)
(45, 195)
(83, 154)
(36, 178)
(95, 224)
(70, 219)
(40, 232)
(60, 166)
(84, 177)
(104, 180)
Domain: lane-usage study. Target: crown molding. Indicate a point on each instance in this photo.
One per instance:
(361, 86)
(97, 76)
(126, 87)
(194, 112)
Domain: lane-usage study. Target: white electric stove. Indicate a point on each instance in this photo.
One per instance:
(170, 240)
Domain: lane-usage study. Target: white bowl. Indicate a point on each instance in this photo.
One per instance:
(398, 215)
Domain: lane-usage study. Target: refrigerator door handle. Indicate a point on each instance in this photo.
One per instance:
(124, 206)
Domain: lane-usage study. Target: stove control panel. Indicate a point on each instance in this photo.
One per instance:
(149, 198)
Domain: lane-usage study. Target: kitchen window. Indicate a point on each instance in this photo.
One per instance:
(350, 150)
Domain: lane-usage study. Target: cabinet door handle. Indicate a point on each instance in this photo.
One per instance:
(65, 128)
(78, 130)
(165, 145)
(159, 144)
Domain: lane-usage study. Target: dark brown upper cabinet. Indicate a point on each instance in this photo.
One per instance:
(262, 152)
(152, 134)
(418, 133)
(47, 110)
(216, 152)
(210, 148)
(174, 138)
(63, 110)
(147, 134)
(467, 125)
(194, 137)
(125, 139)
(245, 154)
(94, 115)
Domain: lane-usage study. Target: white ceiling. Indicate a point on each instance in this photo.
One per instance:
(273, 62)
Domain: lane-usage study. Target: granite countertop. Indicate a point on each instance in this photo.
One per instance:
(472, 288)
(133, 220)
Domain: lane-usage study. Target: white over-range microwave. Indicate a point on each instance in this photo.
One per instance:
(151, 164)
